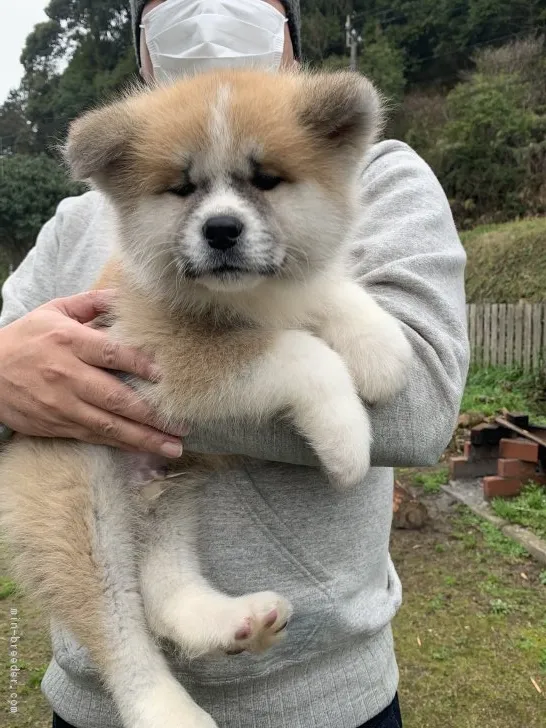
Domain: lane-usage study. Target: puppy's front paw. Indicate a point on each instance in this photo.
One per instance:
(379, 363)
(348, 459)
(370, 341)
(383, 372)
(344, 439)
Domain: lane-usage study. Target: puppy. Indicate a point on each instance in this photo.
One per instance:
(235, 194)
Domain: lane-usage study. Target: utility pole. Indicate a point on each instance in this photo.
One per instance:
(353, 40)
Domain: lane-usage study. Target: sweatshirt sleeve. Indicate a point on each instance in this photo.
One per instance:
(408, 255)
(33, 282)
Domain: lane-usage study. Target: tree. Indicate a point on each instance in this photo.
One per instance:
(79, 56)
(30, 190)
(383, 63)
(492, 149)
(15, 129)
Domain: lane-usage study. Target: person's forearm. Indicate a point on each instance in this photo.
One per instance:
(276, 441)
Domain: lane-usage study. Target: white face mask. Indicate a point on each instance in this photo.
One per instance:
(186, 36)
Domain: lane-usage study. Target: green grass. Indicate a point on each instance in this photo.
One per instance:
(471, 632)
(432, 480)
(7, 588)
(489, 390)
(507, 262)
(527, 509)
(493, 538)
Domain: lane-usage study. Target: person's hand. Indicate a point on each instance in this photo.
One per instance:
(52, 383)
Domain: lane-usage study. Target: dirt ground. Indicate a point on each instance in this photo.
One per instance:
(471, 634)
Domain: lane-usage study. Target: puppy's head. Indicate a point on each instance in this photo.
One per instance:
(230, 178)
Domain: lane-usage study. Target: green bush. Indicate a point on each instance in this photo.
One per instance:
(489, 149)
(383, 63)
(30, 189)
(486, 138)
(419, 122)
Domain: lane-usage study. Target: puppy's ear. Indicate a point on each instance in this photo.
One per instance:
(98, 140)
(343, 109)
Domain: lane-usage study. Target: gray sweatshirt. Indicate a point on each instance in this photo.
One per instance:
(277, 524)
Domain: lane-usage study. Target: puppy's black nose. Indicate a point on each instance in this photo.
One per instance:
(222, 232)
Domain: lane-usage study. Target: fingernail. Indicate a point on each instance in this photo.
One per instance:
(171, 449)
(155, 373)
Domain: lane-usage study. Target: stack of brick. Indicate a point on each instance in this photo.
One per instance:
(516, 466)
(504, 462)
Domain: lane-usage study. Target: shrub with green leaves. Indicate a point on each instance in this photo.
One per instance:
(31, 187)
(383, 63)
(489, 149)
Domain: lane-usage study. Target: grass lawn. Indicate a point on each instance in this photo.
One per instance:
(33, 655)
(489, 391)
(472, 629)
(528, 509)
(506, 262)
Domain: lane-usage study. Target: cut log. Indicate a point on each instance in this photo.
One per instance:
(408, 511)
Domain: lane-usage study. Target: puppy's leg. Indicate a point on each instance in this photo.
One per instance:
(369, 340)
(301, 375)
(179, 603)
(313, 382)
(68, 514)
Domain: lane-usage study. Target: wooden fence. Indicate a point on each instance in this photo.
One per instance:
(508, 334)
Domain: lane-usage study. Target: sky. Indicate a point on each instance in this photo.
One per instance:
(18, 18)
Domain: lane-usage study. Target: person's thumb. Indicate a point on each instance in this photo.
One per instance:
(84, 307)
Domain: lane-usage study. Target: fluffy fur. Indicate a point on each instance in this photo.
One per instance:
(267, 323)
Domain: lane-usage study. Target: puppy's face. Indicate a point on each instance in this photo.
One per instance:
(230, 178)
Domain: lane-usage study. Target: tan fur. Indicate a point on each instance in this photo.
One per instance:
(303, 128)
(266, 107)
(46, 514)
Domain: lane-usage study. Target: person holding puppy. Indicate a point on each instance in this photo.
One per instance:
(278, 518)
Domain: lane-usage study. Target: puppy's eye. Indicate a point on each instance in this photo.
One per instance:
(266, 182)
(183, 190)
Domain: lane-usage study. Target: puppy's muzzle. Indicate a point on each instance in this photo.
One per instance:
(223, 231)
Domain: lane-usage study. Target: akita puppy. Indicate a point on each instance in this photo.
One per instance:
(235, 194)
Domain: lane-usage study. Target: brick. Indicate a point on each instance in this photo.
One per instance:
(482, 452)
(519, 449)
(512, 468)
(494, 485)
(488, 434)
(467, 449)
(537, 430)
(461, 468)
(518, 419)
